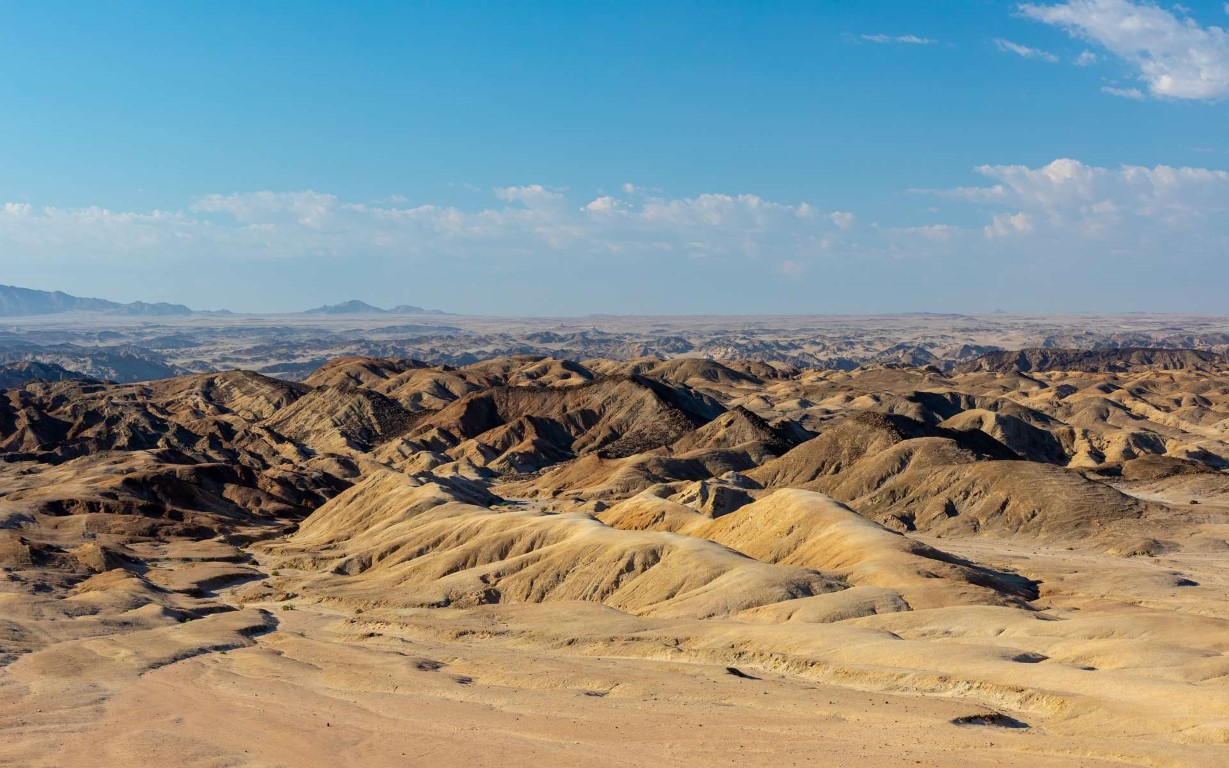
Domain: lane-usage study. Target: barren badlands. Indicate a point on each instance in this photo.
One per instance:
(1009, 559)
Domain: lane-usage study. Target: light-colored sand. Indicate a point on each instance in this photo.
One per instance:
(313, 694)
(1120, 665)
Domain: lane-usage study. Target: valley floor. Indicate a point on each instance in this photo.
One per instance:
(307, 683)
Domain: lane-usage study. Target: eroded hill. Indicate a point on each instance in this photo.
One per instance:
(1026, 544)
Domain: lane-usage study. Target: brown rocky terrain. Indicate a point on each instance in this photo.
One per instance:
(533, 560)
(139, 345)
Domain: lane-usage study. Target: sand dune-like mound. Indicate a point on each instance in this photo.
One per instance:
(1023, 439)
(550, 372)
(649, 511)
(736, 428)
(714, 498)
(598, 477)
(418, 543)
(340, 418)
(370, 372)
(144, 494)
(248, 395)
(811, 530)
(861, 435)
(718, 378)
(202, 413)
(68, 420)
(617, 416)
(1161, 467)
(997, 497)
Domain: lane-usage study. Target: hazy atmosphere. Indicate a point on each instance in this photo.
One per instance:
(549, 158)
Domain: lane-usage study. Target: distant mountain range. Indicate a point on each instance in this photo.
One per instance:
(19, 302)
(22, 302)
(356, 307)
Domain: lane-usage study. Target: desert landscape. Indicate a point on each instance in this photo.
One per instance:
(532, 560)
(141, 341)
(648, 384)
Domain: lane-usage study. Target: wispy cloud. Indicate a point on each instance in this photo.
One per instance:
(1126, 93)
(1065, 195)
(1174, 57)
(529, 219)
(1062, 210)
(1008, 46)
(898, 39)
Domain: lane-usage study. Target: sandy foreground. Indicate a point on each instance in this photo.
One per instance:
(573, 683)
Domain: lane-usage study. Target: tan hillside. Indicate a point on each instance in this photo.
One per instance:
(623, 561)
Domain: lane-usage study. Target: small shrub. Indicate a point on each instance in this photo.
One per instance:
(287, 607)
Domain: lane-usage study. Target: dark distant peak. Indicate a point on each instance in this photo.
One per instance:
(410, 309)
(157, 308)
(351, 307)
(356, 307)
(20, 302)
(1115, 360)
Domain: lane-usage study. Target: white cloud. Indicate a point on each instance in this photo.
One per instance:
(307, 208)
(1008, 224)
(1175, 57)
(1008, 46)
(530, 220)
(843, 219)
(530, 195)
(721, 211)
(898, 39)
(941, 233)
(1085, 59)
(604, 204)
(1072, 199)
(1126, 93)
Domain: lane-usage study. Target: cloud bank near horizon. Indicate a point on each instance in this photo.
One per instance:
(1019, 215)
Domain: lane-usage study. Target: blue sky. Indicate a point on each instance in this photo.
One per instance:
(565, 158)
